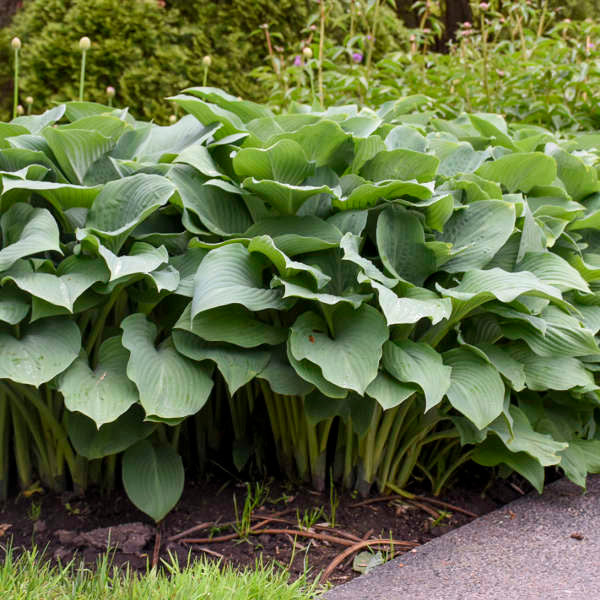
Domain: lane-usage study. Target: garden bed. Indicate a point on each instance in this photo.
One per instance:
(70, 527)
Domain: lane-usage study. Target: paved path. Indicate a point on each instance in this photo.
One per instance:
(527, 550)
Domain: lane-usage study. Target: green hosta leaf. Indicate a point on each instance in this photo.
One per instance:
(418, 363)
(554, 270)
(76, 150)
(412, 308)
(231, 275)
(407, 137)
(401, 164)
(282, 378)
(153, 478)
(477, 232)
(231, 324)
(520, 171)
(287, 268)
(220, 211)
(389, 392)
(350, 358)
(350, 244)
(74, 276)
(35, 123)
(506, 365)
(45, 350)
(237, 365)
(123, 204)
(402, 247)
(142, 259)
(170, 385)
(521, 437)
(200, 158)
(284, 162)
(552, 372)
(478, 287)
(579, 459)
(14, 305)
(580, 179)
(366, 194)
(476, 389)
(298, 235)
(312, 374)
(458, 157)
(564, 335)
(245, 110)
(105, 393)
(112, 438)
(284, 197)
(26, 231)
(296, 289)
(187, 264)
(492, 452)
(62, 196)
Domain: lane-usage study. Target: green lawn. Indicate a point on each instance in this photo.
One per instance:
(30, 577)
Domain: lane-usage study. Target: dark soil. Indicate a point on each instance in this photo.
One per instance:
(70, 527)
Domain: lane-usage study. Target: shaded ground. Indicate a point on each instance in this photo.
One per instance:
(68, 526)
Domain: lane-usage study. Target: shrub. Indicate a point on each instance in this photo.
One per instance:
(408, 291)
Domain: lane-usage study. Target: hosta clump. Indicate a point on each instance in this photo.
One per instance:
(399, 293)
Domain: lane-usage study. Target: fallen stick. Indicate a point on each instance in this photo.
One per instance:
(340, 558)
(433, 501)
(269, 531)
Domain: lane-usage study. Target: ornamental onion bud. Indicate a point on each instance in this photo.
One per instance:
(110, 91)
(29, 100)
(20, 110)
(16, 43)
(207, 61)
(172, 119)
(307, 52)
(85, 43)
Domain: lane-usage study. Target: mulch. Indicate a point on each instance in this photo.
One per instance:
(291, 528)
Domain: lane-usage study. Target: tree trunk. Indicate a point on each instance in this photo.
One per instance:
(405, 12)
(457, 12)
(7, 9)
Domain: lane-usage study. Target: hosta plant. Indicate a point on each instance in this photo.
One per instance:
(394, 293)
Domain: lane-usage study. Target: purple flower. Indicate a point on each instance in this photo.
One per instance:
(357, 57)
(297, 60)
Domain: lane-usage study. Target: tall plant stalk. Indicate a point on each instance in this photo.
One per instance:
(16, 46)
(84, 46)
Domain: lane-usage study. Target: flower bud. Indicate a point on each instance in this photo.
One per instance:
(484, 5)
(20, 110)
(172, 119)
(307, 52)
(16, 43)
(85, 43)
(110, 91)
(29, 100)
(207, 61)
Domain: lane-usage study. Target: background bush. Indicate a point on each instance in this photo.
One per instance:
(149, 50)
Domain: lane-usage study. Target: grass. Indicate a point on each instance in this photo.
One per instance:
(31, 577)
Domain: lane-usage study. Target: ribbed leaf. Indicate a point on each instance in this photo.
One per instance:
(44, 350)
(418, 363)
(476, 389)
(389, 392)
(153, 478)
(401, 164)
(170, 386)
(105, 393)
(14, 305)
(349, 358)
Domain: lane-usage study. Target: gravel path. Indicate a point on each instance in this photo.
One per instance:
(536, 548)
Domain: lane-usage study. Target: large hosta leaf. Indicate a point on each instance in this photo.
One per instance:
(153, 478)
(142, 259)
(74, 276)
(170, 386)
(112, 438)
(231, 275)
(281, 376)
(401, 164)
(237, 365)
(553, 270)
(105, 393)
(349, 357)
(477, 232)
(402, 247)
(418, 363)
(26, 231)
(231, 324)
(45, 350)
(124, 204)
(14, 305)
(476, 388)
(520, 171)
(388, 391)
